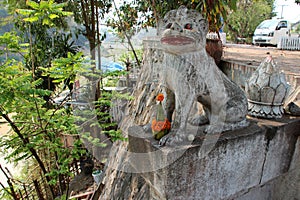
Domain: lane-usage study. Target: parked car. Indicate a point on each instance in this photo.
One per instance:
(269, 32)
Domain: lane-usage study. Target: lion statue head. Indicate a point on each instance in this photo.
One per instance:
(183, 29)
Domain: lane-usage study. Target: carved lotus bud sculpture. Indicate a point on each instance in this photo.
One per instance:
(266, 90)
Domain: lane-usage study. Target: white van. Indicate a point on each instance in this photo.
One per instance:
(270, 31)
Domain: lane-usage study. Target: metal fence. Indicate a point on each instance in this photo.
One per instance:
(289, 43)
(31, 189)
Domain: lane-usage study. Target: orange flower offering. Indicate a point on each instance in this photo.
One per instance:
(160, 97)
(160, 125)
(160, 128)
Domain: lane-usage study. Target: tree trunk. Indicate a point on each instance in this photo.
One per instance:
(126, 35)
(34, 153)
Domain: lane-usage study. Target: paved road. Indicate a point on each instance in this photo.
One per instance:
(289, 61)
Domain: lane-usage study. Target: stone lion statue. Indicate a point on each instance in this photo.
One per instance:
(189, 74)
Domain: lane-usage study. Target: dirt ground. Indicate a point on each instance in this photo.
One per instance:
(4, 129)
(288, 61)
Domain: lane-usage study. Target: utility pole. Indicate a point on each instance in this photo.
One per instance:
(282, 6)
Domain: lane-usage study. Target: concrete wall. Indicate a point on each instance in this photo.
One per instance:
(241, 72)
(285, 186)
(249, 163)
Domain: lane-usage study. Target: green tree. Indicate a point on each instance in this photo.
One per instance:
(26, 102)
(89, 13)
(36, 128)
(132, 16)
(42, 25)
(36, 123)
(125, 25)
(153, 10)
(242, 22)
(85, 12)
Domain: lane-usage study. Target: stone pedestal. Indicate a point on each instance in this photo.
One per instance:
(249, 159)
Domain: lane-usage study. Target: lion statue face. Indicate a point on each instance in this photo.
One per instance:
(183, 29)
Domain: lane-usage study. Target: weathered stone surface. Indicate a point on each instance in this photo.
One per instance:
(222, 172)
(189, 74)
(240, 165)
(293, 108)
(295, 163)
(284, 187)
(281, 147)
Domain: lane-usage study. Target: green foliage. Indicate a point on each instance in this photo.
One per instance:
(11, 46)
(10, 41)
(49, 62)
(46, 12)
(128, 57)
(129, 17)
(106, 123)
(296, 29)
(38, 125)
(88, 13)
(64, 69)
(83, 10)
(41, 24)
(242, 22)
(212, 10)
(105, 104)
(4, 194)
(110, 79)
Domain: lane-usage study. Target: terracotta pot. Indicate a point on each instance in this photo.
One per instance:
(214, 49)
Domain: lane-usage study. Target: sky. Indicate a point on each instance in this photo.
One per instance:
(288, 9)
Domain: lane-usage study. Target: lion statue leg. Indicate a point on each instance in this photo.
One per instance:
(184, 100)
